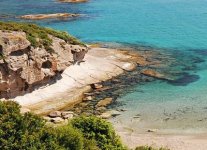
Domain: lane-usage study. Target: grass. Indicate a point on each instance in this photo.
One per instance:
(38, 36)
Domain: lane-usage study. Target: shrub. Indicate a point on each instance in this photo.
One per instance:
(28, 132)
(17, 131)
(101, 131)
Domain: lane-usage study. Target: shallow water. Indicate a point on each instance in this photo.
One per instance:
(178, 26)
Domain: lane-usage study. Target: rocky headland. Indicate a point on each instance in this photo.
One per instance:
(28, 61)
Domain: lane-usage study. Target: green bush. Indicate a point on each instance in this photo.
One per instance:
(18, 131)
(34, 32)
(28, 132)
(101, 131)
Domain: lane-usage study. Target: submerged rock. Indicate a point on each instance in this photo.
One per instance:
(109, 114)
(152, 73)
(72, 1)
(105, 102)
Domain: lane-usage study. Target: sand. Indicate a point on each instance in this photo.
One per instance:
(171, 141)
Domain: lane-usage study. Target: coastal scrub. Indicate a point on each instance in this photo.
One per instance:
(30, 132)
(39, 36)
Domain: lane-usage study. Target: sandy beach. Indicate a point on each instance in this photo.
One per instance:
(171, 141)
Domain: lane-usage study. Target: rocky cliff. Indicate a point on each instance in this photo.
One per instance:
(24, 67)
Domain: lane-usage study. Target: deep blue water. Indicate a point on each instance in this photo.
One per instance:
(179, 26)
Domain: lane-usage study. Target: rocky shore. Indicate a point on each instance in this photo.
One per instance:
(100, 64)
(91, 88)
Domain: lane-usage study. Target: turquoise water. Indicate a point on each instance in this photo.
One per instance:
(178, 26)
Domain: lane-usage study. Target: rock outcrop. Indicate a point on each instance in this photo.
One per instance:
(24, 67)
(72, 1)
(49, 16)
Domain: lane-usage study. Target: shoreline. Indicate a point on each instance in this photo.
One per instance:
(77, 80)
(100, 64)
(169, 141)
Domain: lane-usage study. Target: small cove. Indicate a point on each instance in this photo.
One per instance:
(177, 27)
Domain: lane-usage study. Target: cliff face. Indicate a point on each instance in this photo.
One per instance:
(24, 68)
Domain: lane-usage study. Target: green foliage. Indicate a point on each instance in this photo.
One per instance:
(101, 131)
(38, 36)
(28, 132)
(17, 131)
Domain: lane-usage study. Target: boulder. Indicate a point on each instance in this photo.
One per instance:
(129, 66)
(101, 109)
(97, 86)
(106, 115)
(55, 114)
(105, 102)
(64, 113)
(68, 116)
(88, 98)
(152, 73)
(57, 120)
(109, 114)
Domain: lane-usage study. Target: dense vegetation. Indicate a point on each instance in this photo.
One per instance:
(29, 132)
(38, 36)
(97, 129)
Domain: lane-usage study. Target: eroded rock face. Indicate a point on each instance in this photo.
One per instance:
(24, 68)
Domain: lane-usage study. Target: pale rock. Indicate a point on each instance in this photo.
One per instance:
(64, 113)
(68, 116)
(97, 86)
(55, 114)
(88, 98)
(105, 102)
(57, 120)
